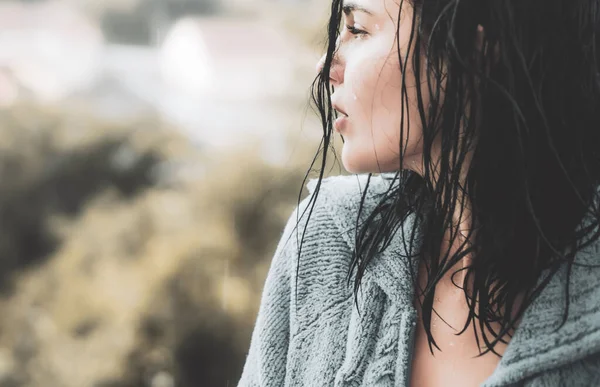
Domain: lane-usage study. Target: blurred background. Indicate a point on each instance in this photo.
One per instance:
(150, 154)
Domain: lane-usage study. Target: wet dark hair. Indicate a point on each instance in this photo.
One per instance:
(534, 130)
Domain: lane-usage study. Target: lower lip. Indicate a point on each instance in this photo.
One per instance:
(340, 123)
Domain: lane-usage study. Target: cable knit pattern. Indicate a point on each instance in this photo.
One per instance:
(314, 334)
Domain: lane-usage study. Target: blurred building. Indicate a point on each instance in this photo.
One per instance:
(229, 59)
(226, 78)
(145, 22)
(221, 80)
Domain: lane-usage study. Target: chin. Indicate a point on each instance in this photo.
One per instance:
(362, 160)
(363, 168)
(351, 165)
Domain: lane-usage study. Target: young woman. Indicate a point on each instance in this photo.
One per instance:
(474, 251)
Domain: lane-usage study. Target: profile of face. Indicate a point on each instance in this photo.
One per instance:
(367, 80)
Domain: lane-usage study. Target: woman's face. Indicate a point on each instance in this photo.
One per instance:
(367, 80)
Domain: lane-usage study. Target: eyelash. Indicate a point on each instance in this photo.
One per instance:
(355, 31)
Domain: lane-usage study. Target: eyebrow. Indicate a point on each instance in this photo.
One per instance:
(350, 7)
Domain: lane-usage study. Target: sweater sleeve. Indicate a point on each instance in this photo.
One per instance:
(266, 360)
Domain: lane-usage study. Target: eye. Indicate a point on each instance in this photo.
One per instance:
(355, 31)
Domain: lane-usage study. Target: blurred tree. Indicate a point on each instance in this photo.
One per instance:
(57, 182)
(209, 357)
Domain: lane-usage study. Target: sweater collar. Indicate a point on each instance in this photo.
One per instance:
(536, 346)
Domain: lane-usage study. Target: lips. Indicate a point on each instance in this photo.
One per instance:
(341, 121)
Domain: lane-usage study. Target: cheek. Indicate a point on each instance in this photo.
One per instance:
(388, 93)
(379, 101)
(374, 84)
(361, 80)
(386, 104)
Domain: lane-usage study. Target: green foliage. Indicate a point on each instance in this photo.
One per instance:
(40, 180)
(132, 280)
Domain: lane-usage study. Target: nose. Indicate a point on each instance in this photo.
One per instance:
(336, 71)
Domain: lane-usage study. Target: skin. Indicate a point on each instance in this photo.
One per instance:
(366, 77)
(367, 80)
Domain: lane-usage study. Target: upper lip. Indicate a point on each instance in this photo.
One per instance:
(339, 109)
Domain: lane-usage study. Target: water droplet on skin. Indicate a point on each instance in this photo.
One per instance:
(452, 343)
(376, 26)
(355, 97)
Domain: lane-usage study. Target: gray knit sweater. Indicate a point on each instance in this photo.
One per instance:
(316, 337)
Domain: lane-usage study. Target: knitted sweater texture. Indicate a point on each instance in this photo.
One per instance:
(310, 332)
